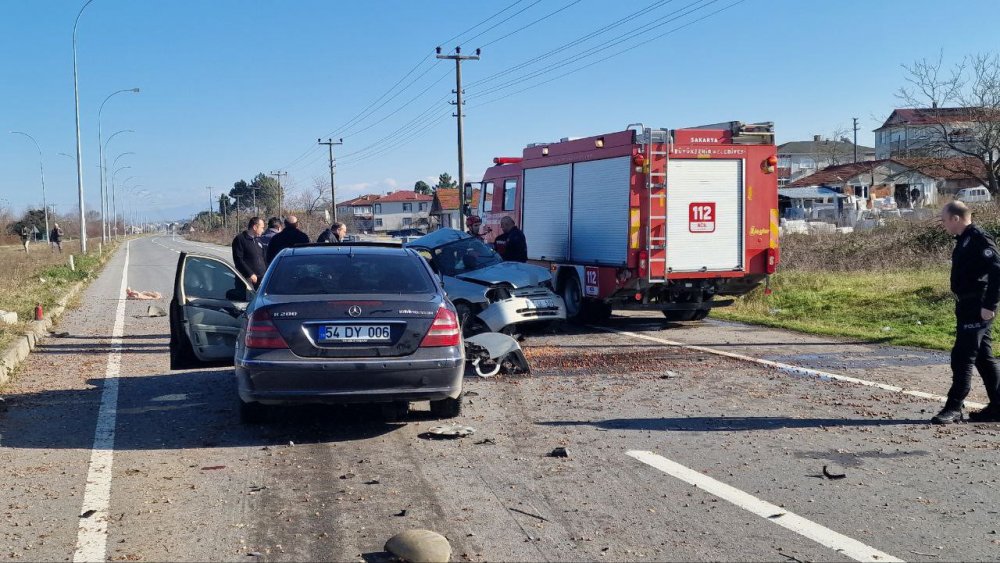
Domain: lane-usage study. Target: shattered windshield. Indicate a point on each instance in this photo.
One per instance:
(463, 256)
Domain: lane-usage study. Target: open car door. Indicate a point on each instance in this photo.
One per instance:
(210, 297)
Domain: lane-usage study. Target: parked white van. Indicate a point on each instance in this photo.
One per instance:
(973, 195)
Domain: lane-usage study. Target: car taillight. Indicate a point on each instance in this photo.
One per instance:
(261, 332)
(444, 330)
(643, 263)
(772, 260)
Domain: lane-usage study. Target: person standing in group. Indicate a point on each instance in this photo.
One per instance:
(25, 237)
(55, 238)
(474, 225)
(248, 254)
(287, 238)
(273, 228)
(511, 244)
(334, 235)
(975, 281)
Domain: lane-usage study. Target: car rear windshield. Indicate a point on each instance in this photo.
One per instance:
(339, 274)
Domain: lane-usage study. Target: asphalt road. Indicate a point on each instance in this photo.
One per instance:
(673, 454)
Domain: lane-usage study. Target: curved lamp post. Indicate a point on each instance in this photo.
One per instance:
(41, 169)
(114, 201)
(79, 150)
(104, 189)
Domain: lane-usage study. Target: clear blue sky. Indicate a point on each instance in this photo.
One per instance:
(231, 88)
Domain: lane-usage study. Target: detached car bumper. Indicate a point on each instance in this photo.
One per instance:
(283, 378)
(524, 307)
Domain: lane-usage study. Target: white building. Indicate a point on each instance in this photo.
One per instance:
(926, 132)
(402, 210)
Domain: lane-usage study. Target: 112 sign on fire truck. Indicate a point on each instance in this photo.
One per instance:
(671, 220)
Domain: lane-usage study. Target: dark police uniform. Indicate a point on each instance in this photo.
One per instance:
(512, 246)
(975, 281)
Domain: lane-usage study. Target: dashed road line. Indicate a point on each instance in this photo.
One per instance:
(791, 369)
(92, 537)
(843, 545)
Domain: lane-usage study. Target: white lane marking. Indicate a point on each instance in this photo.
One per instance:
(843, 545)
(92, 538)
(792, 370)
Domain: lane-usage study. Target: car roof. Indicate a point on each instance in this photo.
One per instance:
(358, 249)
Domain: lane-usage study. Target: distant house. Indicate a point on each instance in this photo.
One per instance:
(927, 132)
(401, 210)
(798, 159)
(918, 181)
(358, 213)
(444, 210)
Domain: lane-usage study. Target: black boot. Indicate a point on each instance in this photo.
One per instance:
(990, 414)
(951, 413)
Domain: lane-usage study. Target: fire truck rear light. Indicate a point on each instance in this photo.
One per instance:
(643, 263)
(638, 297)
(772, 261)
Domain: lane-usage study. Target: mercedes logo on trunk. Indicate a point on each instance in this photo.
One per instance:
(354, 311)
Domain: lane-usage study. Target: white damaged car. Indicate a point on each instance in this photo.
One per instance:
(488, 293)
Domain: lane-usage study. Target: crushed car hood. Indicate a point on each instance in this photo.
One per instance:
(515, 273)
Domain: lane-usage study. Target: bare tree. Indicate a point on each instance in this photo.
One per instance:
(832, 150)
(964, 120)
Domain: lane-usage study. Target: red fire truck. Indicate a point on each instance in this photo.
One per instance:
(670, 220)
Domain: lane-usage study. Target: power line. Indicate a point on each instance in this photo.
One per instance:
(450, 39)
(522, 28)
(659, 22)
(573, 43)
(512, 16)
(645, 41)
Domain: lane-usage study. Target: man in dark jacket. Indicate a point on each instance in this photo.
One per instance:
(248, 254)
(334, 235)
(55, 238)
(975, 281)
(273, 228)
(287, 238)
(511, 244)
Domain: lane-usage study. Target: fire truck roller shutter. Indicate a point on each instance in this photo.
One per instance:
(600, 211)
(545, 220)
(705, 228)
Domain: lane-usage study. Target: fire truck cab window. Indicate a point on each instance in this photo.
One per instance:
(509, 194)
(488, 196)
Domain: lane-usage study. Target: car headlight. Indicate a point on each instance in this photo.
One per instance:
(497, 293)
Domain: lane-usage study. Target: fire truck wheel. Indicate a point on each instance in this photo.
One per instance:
(701, 314)
(572, 295)
(680, 316)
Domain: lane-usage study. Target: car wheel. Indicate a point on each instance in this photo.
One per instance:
(572, 295)
(395, 411)
(253, 413)
(446, 408)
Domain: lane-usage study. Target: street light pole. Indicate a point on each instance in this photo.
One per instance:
(41, 169)
(104, 188)
(79, 149)
(209, 188)
(114, 200)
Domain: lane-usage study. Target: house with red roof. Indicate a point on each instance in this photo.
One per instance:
(444, 210)
(929, 132)
(402, 210)
(358, 213)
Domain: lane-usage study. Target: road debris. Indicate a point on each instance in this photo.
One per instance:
(132, 294)
(542, 518)
(559, 452)
(486, 442)
(828, 475)
(155, 311)
(213, 467)
(448, 431)
(420, 546)
(88, 514)
(400, 513)
(373, 482)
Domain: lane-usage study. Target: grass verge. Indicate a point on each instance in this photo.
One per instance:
(907, 308)
(41, 276)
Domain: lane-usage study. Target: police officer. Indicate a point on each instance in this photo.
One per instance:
(975, 281)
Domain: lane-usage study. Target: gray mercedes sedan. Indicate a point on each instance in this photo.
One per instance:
(348, 323)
